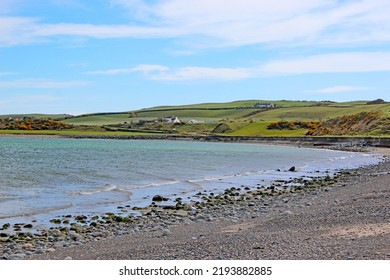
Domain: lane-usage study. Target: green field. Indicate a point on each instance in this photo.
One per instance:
(318, 113)
(98, 119)
(260, 129)
(241, 117)
(236, 111)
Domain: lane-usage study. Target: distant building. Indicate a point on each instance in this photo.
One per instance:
(264, 105)
(171, 119)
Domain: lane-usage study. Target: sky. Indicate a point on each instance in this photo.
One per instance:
(79, 56)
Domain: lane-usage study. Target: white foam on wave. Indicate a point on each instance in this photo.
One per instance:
(150, 185)
(105, 188)
(339, 158)
(111, 188)
(219, 178)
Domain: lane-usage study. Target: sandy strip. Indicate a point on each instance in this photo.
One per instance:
(29, 136)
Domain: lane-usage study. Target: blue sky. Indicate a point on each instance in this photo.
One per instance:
(79, 56)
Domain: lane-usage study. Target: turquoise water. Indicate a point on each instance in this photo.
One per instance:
(45, 177)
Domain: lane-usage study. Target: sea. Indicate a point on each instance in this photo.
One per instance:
(44, 178)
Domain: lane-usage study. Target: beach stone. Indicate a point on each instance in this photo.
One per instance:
(81, 218)
(292, 169)
(68, 258)
(55, 221)
(75, 236)
(6, 250)
(59, 244)
(287, 213)
(20, 256)
(200, 220)
(40, 251)
(55, 232)
(28, 246)
(159, 198)
(166, 232)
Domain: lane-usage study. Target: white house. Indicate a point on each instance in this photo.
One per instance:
(171, 119)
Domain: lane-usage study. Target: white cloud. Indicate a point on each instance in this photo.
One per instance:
(101, 31)
(227, 23)
(203, 73)
(262, 21)
(339, 89)
(163, 73)
(42, 84)
(352, 62)
(147, 68)
(111, 71)
(143, 68)
(16, 31)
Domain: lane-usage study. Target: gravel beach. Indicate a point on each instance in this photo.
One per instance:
(345, 217)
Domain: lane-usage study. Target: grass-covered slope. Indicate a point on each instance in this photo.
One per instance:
(237, 111)
(238, 118)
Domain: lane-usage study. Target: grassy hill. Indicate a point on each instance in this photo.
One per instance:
(36, 116)
(241, 118)
(236, 111)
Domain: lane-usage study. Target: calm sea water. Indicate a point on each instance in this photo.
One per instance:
(44, 177)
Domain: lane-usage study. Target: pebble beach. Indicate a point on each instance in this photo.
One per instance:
(345, 216)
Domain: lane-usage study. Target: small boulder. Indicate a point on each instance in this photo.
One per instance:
(75, 236)
(287, 213)
(159, 198)
(292, 169)
(18, 256)
(166, 232)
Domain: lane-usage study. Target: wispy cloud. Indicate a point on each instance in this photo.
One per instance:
(246, 22)
(163, 73)
(236, 23)
(326, 63)
(16, 31)
(102, 31)
(339, 89)
(203, 73)
(352, 62)
(144, 68)
(42, 84)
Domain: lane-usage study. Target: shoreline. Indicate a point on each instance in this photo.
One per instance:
(347, 220)
(337, 142)
(160, 221)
